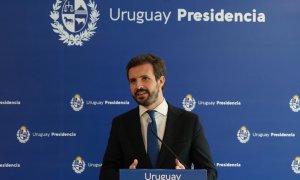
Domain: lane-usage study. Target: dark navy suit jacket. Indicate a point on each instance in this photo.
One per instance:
(183, 133)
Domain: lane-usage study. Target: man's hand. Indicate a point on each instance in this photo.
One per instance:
(134, 164)
(178, 165)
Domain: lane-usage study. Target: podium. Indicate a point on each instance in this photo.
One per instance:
(163, 174)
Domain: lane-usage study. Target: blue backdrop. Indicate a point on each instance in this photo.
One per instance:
(62, 73)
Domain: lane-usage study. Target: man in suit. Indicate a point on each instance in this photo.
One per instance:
(131, 144)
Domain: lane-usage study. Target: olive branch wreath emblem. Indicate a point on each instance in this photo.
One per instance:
(81, 37)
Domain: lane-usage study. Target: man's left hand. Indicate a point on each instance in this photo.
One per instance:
(178, 165)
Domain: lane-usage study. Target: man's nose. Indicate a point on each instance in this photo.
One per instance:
(139, 84)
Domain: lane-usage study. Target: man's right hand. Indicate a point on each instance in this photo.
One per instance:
(134, 164)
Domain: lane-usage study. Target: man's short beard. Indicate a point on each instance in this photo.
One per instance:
(150, 100)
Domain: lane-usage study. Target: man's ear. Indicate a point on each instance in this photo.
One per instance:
(162, 80)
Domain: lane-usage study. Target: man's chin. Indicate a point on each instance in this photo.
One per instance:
(142, 102)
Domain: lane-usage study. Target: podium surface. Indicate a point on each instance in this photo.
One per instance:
(163, 174)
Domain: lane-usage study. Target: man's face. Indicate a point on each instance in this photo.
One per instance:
(144, 88)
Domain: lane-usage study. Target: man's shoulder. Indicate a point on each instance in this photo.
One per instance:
(184, 118)
(128, 115)
(180, 111)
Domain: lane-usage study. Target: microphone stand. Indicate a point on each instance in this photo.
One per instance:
(169, 149)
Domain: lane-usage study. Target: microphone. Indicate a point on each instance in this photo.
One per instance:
(168, 147)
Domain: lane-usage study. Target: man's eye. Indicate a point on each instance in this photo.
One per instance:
(132, 81)
(144, 78)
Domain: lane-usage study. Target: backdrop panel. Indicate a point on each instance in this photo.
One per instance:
(62, 73)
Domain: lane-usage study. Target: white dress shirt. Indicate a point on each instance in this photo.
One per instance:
(160, 118)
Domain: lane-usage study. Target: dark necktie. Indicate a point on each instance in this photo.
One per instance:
(152, 142)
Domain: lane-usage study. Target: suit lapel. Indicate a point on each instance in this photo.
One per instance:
(168, 135)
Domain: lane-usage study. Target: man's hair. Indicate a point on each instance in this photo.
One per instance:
(159, 68)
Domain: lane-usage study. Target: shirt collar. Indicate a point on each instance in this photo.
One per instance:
(162, 108)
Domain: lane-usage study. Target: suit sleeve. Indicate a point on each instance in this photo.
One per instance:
(113, 158)
(200, 154)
